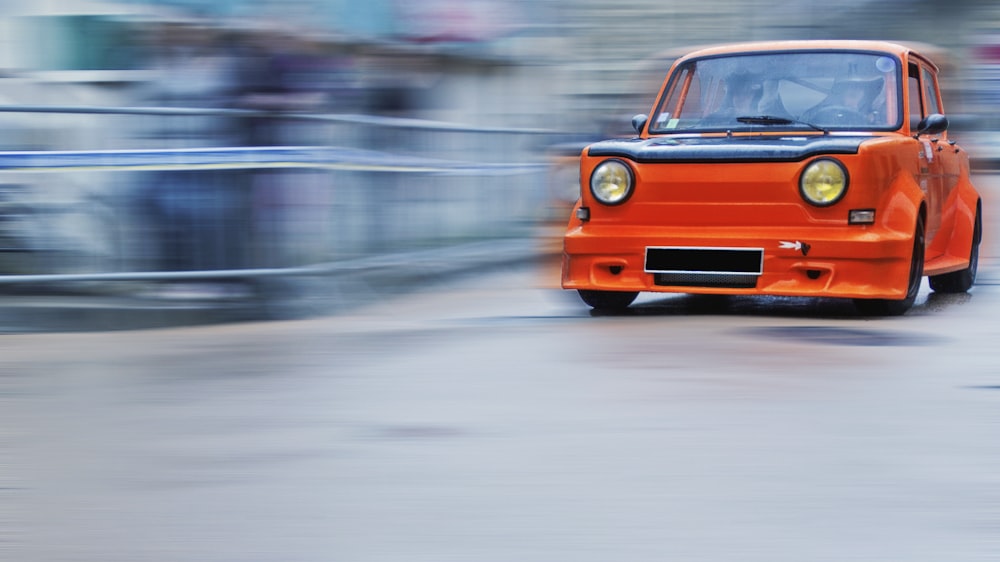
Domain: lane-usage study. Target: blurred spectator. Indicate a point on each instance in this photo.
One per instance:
(193, 217)
(277, 74)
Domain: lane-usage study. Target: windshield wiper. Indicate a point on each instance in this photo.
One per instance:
(772, 120)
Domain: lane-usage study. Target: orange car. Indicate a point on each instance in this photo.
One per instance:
(795, 168)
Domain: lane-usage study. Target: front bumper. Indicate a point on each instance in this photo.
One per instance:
(830, 261)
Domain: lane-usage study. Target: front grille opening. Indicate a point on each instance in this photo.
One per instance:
(714, 280)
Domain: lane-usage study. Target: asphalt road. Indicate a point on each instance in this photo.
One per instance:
(494, 419)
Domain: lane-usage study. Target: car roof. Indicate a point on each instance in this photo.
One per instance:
(898, 49)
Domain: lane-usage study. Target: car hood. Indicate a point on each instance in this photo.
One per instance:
(726, 149)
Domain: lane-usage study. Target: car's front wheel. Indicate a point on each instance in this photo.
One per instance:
(607, 300)
(962, 280)
(888, 307)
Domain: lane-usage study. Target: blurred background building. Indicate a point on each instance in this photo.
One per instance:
(516, 62)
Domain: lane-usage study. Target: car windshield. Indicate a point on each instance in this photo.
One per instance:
(786, 90)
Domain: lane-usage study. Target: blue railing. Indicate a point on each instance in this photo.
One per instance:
(361, 186)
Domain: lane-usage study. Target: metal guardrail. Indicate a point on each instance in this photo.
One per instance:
(245, 158)
(376, 185)
(353, 119)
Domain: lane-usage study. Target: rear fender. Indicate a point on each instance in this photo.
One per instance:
(961, 237)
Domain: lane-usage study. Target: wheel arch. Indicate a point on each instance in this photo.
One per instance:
(964, 234)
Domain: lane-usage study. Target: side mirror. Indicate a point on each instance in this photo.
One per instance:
(639, 122)
(932, 124)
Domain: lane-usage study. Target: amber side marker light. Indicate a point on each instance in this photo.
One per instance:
(861, 216)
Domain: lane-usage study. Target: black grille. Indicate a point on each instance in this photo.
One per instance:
(718, 280)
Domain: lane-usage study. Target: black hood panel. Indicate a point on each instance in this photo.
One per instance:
(726, 149)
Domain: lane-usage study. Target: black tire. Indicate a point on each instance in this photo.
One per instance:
(889, 307)
(607, 300)
(962, 280)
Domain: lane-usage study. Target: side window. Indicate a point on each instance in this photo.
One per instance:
(913, 87)
(930, 92)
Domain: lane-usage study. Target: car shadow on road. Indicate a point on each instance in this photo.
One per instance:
(772, 306)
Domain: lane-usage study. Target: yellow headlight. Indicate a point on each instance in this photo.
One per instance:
(611, 182)
(823, 182)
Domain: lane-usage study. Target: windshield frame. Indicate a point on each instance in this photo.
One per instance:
(683, 69)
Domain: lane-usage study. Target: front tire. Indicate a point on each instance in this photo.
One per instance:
(888, 307)
(963, 280)
(607, 300)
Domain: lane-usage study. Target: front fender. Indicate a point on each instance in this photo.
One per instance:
(904, 202)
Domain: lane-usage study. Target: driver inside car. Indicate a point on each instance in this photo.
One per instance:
(749, 96)
(849, 103)
(743, 94)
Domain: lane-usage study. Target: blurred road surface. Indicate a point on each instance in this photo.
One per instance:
(494, 419)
